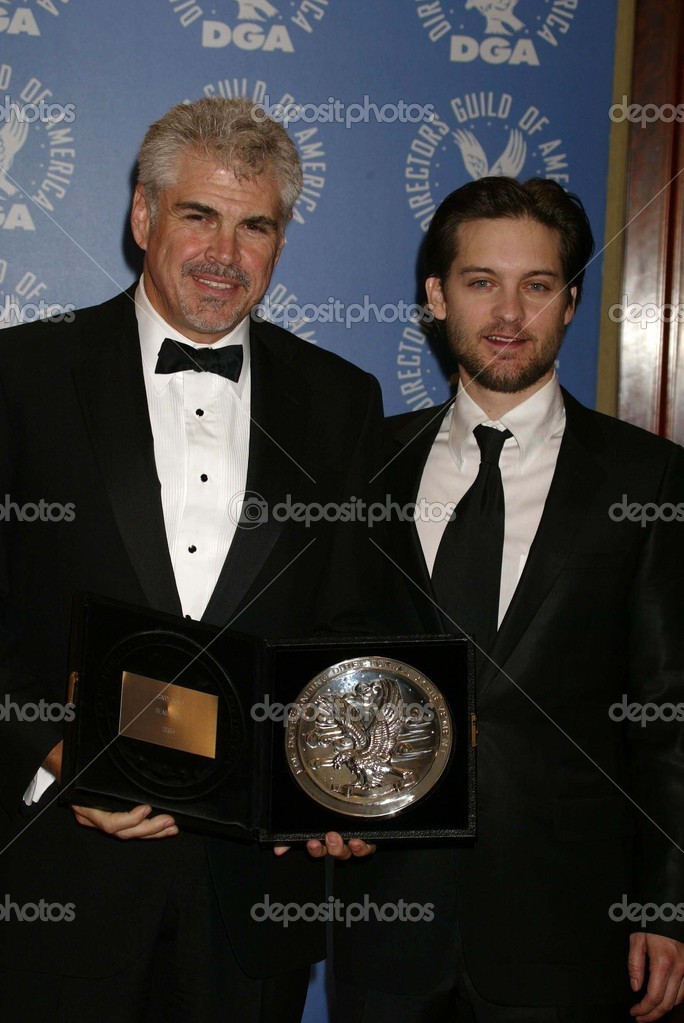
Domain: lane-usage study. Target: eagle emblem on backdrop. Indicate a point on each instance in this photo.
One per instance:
(509, 164)
(499, 14)
(12, 138)
(255, 10)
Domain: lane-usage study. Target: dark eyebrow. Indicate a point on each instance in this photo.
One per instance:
(475, 270)
(488, 270)
(196, 207)
(259, 220)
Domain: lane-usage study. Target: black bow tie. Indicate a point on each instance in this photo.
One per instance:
(175, 357)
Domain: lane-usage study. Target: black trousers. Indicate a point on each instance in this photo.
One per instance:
(456, 1000)
(189, 975)
(447, 1004)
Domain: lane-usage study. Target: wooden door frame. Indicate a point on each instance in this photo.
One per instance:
(641, 358)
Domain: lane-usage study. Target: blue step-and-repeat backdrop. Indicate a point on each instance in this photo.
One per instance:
(392, 104)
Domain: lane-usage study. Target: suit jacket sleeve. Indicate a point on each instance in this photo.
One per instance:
(656, 700)
(24, 744)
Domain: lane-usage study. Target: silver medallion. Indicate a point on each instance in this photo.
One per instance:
(368, 737)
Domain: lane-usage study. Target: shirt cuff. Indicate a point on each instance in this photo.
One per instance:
(40, 783)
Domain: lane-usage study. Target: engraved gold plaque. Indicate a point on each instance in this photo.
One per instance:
(168, 715)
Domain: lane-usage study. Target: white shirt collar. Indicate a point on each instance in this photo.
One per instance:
(532, 422)
(153, 328)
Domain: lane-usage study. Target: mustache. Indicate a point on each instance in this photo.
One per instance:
(517, 329)
(228, 273)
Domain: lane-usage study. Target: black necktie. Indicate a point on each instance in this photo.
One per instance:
(467, 570)
(175, 357)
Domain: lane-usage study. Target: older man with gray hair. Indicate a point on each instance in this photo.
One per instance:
(153, 414)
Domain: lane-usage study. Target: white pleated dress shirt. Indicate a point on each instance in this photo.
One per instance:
(201, 426)
(527, 463)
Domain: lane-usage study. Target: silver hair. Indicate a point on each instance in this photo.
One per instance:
(235, 133)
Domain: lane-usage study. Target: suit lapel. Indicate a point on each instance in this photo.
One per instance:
(410, 442)
(111, 391)
(576, 479)
(278, 465)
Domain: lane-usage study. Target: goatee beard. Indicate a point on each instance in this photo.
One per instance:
(498, 373)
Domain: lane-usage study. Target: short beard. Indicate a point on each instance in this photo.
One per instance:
(207, 324)
(494, 375)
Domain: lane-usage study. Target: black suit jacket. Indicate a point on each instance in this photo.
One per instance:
(75, 431)
(576, 810)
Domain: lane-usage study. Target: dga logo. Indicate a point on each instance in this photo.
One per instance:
(487, 133)
(18, 20)
(498, 31)
(23, 298)
(307, 139)
(254, 24)
(36, 156)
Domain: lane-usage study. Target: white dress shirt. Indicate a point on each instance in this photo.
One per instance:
(527, 463)
(200, 426)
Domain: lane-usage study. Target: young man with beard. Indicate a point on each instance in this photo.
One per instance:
(566, 906)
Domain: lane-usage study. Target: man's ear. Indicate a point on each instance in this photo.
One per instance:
(571, 307)
(435, 297)
(140, 217)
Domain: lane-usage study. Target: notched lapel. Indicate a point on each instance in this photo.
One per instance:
(576, 480)
(407, 453)
(112, 394)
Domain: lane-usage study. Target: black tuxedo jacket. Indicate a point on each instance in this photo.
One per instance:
(75, 431)
(576, 811)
